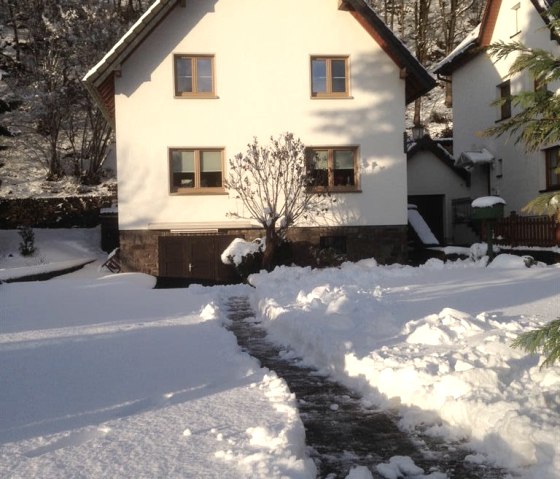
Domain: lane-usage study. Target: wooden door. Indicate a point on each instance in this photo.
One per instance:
(194, 257)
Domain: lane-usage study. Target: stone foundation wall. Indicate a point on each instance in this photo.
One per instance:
(387, 244)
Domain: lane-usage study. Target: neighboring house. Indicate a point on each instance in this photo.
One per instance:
(194, 81)
(498, 166)
(440, 190)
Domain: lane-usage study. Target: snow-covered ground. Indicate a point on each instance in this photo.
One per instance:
(103, 376)
(434, 342)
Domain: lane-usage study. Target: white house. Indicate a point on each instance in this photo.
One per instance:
(440, 190)
(499, 166)
(194, 81)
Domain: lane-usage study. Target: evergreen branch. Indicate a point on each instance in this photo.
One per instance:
(545, 340)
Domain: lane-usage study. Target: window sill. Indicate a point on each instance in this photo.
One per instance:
(551, 189)
(331, 97)
(198, 192)
(196, 97)
(335, 189)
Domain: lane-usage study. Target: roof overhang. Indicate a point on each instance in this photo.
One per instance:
(469, 159)
(436, 148)
(479, 39)
(103, 72)
(418, 80)
(100, 79)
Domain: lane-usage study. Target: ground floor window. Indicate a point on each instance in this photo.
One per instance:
(334, 168)
(196, 170)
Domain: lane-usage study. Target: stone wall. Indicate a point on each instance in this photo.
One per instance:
(387, 244)
(68, 212)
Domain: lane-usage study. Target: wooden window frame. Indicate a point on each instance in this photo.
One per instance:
(540, 86)
(197, 189)
(329, 79)
(331, 187)
(548, 153)
(505, 107)
(515, 10)
(195, 93)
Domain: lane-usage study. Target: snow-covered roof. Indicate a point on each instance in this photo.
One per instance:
(471, 158)
(437, 148)
(481, 36)
(120, 47)
(487, 201)
(421, 227)
(470, 42)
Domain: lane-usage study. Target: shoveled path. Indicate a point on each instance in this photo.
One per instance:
(340, 431)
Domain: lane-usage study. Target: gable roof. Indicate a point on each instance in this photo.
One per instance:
(100, 79)
(437, 148)
(481, 36)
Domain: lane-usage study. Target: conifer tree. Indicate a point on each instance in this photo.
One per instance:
(536, 124)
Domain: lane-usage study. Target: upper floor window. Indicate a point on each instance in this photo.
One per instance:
(196, 170)
(515, 19)
(552, 168)
(194, 76)
(504, 93)
(540, 85)
(329, 77)
(334, 168)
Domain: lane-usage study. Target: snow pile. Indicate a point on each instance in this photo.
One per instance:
(403, 466)
(434, 341)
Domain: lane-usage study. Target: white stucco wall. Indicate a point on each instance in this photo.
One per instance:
(428, 175)
(262, 52)
(474, 89)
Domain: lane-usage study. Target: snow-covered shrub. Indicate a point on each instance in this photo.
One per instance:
(245, 256)
(480, 250)
(27, 244)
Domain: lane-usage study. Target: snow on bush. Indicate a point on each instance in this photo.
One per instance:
(239, 249)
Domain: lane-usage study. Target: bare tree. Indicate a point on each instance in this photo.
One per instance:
(274, 184)
(65, 38)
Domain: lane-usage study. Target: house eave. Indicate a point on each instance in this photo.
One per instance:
(115, 57)
(418, 80)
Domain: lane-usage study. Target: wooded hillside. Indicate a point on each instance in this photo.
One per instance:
(50, 130)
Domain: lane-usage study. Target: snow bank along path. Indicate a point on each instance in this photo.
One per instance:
(433, 341)
(340, 432)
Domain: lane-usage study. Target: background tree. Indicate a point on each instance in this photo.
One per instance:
(536, 123)
(273, 183)
(55, 42)
(431, 29)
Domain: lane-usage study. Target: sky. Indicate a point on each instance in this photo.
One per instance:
(104, 376)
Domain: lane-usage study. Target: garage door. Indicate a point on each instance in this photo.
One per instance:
(195, 257)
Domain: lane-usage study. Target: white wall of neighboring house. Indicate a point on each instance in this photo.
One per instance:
(521, 175)
(262, 52)
(427, 175)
